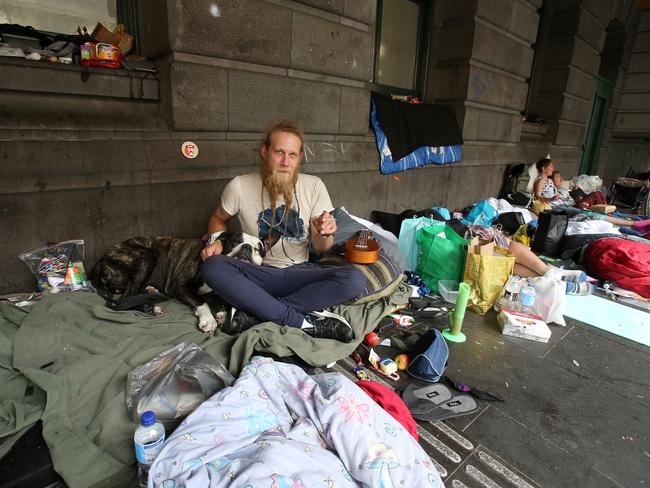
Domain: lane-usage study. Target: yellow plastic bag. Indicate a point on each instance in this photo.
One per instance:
(522, 235)
(486, 274)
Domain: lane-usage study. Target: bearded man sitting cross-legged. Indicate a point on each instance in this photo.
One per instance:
(290, 213)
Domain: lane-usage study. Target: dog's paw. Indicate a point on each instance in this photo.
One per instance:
(157, 311)
(208, 326)
(207, 323)
(151, 290)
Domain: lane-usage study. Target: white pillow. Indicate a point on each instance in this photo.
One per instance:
(376, 228)
(533, 174)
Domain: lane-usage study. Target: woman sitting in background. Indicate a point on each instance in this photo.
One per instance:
(548, 195)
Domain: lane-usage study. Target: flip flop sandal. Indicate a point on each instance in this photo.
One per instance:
(426, 398)
(455, 407)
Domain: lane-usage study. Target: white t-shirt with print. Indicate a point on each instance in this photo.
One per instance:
(289, 237)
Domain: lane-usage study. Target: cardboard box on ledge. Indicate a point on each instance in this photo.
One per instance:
(118, 37)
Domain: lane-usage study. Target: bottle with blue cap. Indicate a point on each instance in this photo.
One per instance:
(148, 438)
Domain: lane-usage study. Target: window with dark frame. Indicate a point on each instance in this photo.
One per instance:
(534, 74)
(69, 16)
(401, 45)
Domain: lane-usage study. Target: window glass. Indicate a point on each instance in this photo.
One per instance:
(398, 43)
(59, 16)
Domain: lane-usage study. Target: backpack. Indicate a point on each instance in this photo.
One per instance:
(509, 222)
(431, 356)
(519, 198)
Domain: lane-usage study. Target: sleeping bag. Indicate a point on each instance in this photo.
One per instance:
(626, 263)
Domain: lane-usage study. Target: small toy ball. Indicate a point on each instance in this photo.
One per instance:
(402, 361)
(371, 339)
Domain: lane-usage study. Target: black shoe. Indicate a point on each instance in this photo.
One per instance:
(239, 322)
(328, 325)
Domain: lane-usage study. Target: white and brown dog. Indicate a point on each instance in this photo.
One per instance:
(170, 265)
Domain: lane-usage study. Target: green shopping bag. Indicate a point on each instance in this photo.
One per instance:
(441, 256)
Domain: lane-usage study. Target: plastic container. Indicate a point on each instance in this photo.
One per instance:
(449, 290)
(148, 439)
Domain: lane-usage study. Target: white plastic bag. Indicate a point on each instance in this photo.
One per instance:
(550, 299)
(587, 183)
(549, 296)
(174, 383)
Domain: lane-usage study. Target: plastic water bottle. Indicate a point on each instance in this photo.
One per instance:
(148, 439)
(510, 295)
(527, 297)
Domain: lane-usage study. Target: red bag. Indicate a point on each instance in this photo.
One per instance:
(392, 403)
(626, 263)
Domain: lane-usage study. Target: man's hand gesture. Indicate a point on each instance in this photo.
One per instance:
(325, 224)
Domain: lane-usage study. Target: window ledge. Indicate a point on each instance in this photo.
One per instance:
(538, 128)
(24, 75)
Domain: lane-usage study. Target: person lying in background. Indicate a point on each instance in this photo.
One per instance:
(529, 265)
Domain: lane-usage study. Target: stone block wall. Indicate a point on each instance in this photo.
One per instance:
(470, 71)
(100, 159)
(633, 117)
(629, 129)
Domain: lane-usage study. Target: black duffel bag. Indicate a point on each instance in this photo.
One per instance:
(509, 222)
(551, 226)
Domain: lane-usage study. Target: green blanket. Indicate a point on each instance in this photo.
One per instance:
(76, 353)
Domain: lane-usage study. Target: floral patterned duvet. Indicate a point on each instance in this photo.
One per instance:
(278, 427)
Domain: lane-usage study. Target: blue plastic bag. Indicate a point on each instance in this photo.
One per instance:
(482, 214)
(444, 212)
(407, 243)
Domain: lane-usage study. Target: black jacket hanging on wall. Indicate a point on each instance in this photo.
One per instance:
(409, 126)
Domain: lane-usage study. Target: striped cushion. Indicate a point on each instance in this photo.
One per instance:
(382, 277)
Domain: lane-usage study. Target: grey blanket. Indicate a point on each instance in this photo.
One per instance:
(75, 353)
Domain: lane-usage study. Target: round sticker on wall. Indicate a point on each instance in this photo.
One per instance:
(190, 150)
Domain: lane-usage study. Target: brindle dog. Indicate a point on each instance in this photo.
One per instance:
(171, 265)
